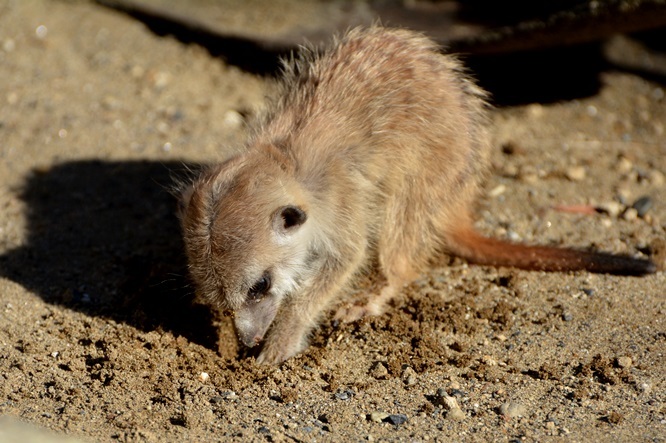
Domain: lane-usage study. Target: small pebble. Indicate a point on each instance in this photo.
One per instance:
(449, 403)
(41, 31)
(611, 208)
(644, 387)
(510, 170)
(630, 214)
(624, 362)
(224, 395)
(396, 419)
(576, 173)
(378, 416)
(512, 410)
(656, 178)
(203, 377)
(489, 360)
(344, 395)
(163, 127)
(456, 414)
(531, 178)
(624, 165)
(409, 376)
(642, 205)
(232, 119)
(161, 80)
(567, 316)
(379, 371)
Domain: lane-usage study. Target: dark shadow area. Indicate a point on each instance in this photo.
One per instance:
(543, 76)
(494, 13)
(104, 240)
(553, 72)
(654, 39)
(512, 78)
(247, 54)
(649, 62)
(254, 56)
(565, 73)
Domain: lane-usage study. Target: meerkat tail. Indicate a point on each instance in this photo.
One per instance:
(481, 250)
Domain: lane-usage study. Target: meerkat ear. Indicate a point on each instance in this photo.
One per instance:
(288, 218)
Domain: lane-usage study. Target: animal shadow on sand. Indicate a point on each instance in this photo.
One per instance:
(103, 238)
(544, 75)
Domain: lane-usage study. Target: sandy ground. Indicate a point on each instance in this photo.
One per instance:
(99, 339)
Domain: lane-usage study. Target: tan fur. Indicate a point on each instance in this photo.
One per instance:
(381, 143)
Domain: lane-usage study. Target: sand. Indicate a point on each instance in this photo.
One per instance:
(99, 337)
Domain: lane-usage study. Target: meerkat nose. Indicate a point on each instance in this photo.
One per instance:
(250, 343)
(250, 340)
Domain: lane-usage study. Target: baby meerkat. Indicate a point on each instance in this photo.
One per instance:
(374, 151)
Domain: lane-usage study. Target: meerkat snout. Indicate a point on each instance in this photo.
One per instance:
(255, 316)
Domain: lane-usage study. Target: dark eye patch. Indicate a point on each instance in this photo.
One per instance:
(260, 287)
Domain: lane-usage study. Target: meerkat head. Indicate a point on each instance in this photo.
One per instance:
(247, 234)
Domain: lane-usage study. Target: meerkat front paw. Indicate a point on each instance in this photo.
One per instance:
(281, 347)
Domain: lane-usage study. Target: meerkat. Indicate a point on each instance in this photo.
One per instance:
(374, 151)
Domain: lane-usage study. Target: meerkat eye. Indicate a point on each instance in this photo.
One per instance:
(260, 287)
